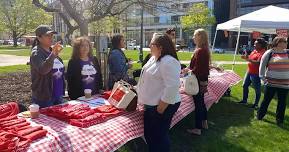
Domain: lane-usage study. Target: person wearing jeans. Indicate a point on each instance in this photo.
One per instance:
(162, 99)
(157, 126)
(252, 75)
(248, 80)
(274, 71)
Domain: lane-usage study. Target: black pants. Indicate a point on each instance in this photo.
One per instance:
(200, 110)
(136, 73)
(156, 127)
(269, 93)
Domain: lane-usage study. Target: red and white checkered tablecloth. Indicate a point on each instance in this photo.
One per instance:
(111, 135)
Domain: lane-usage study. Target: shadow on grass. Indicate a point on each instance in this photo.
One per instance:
(262, 91)
(283, 126)
(221, 116)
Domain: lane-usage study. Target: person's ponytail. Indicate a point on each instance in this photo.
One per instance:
(35, 43)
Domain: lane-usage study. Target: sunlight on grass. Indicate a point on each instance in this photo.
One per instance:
(232, 127)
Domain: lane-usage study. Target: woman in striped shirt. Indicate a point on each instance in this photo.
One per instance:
(274, 71)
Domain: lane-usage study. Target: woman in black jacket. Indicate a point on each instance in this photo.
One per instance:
(83, 71)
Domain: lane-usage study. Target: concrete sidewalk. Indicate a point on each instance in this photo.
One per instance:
(219, 62)
(7, 60)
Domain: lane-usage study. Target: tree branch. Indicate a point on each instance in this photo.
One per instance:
(55, 10)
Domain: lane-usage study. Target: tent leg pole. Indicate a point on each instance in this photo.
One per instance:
(214, 40)
(236, 49)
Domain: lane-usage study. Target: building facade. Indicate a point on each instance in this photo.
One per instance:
(160, 21)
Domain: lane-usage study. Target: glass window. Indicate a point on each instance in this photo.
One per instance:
(175, 19)
(245, 1)
(156, 19)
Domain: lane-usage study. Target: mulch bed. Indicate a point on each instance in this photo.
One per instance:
(15, 87)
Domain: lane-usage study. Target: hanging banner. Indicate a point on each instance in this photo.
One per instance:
(256, 35)
(282, 32)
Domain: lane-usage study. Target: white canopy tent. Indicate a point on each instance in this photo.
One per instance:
(266, 20)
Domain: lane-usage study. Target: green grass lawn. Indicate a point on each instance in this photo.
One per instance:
(232, 127)
(14, 68)
(66, 54)
(186, 56)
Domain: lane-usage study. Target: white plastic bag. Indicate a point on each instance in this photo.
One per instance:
(190, 84)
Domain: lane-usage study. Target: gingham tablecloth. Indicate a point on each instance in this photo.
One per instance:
(111, 135)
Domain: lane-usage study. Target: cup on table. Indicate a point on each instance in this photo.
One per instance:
(34, 110)
(87, 93)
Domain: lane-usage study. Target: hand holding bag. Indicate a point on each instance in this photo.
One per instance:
(190, 84)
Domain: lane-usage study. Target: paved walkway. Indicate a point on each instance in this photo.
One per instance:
(218, 62)
(7, 60)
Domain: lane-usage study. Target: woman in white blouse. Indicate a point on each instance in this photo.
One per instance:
(158, 90)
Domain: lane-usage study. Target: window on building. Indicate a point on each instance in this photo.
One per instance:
(156, 19)
(175, 19)
(175, 6)
(245, 1)
(186, 5)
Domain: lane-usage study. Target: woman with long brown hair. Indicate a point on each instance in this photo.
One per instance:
(83, 71)
(200, 67)
(162, 99)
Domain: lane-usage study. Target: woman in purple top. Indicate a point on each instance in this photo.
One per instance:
(83, 71)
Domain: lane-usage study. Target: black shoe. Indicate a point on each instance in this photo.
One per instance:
(279, 122)
(242, 102)
(255, 107)
(258, 117)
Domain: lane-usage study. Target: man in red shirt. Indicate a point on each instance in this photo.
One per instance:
(252, 75)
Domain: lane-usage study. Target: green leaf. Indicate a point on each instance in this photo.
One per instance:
(198, 16)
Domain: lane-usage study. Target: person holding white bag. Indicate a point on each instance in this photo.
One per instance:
(200, 67)
(158, 90)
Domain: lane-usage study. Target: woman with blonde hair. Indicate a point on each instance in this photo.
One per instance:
(83, 71)
(200, 67)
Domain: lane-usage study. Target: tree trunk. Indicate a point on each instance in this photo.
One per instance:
(15, 38)
(83, 26)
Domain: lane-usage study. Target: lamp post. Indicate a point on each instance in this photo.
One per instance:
(141, 36)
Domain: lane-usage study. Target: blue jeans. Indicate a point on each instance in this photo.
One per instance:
(44, 104)
(255, 80)
(156, 127)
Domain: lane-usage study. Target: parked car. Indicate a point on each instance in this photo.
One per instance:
(178, 47)
(11, 42)
(219, 50)
(131, 47)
